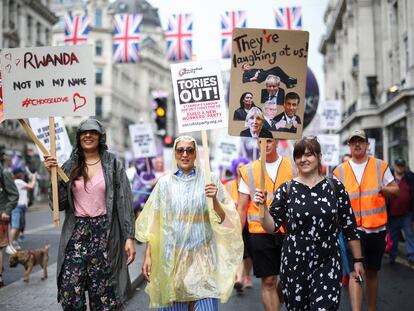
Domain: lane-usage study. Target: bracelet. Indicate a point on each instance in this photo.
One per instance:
(361, 259)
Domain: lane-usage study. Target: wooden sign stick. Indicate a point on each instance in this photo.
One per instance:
(53, 172)
(206, 165)
(42, 148)
(262, 172)
(148, 165)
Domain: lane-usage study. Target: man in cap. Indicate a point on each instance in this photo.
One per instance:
(401, 211)
(369, 183)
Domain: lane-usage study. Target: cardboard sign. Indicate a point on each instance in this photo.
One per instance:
(330, 149)
(143, 141)
(280, 58)
(330, 115)
(227, 149)
(199, 96)
(48, 81)
(63, 146)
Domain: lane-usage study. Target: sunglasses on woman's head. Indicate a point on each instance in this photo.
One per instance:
(181, 150)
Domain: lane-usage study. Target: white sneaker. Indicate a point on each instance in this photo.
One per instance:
(10, 249)
(16, 245)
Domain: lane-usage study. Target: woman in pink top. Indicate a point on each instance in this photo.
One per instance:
(97, 240)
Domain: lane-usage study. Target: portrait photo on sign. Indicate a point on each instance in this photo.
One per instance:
(268, 82)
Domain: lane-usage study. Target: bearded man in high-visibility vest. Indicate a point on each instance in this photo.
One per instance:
(369, 183)
(266, 248)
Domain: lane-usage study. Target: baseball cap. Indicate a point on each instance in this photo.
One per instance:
(18, 170)
(399, 162)
(358, 133)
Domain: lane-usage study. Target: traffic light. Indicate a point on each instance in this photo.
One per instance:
(161, 114)
(168, 141)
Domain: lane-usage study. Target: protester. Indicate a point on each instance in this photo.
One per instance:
(313, 209)
(97, 240)
(401, 211)
(193, 251)
(232, 187)
(143, 184)
(18, 214)
(369, 182)
(266, 248)
(9, 196)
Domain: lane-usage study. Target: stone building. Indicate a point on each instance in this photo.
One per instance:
(23, 23)
(123, 92)
(369, 65)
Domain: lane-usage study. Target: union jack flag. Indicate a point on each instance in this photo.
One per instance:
(179, 37)
(76, 29)
(127, 38)
(289, 18)
(229, 21)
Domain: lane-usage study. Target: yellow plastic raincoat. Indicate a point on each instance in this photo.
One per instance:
(193, 256)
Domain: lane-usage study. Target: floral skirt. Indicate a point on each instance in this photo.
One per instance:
(86, 267)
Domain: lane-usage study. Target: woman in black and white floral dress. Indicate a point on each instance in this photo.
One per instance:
(313, 209)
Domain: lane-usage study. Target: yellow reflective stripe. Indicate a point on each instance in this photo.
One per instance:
(379, 173)
(357, 195)
(374, 211)
(253, 217)
(341, 174)
(252, 186)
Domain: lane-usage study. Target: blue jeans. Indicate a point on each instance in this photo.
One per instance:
(18, 215)
(395, 224)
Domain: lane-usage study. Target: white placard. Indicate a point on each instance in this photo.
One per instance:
(330, 149)
(371, 147)
(143, 141)
(227, 149)
(48, 81)
(199, 96)
(63, 146)
(330, 115)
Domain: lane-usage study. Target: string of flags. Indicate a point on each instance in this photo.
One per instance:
(179, 32)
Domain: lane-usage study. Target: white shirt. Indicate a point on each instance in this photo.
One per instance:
(358, 169)
(271, 169)
(21, 187)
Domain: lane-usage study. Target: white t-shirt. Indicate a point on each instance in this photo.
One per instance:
(21, 187)
(271, 169)
(359, 169)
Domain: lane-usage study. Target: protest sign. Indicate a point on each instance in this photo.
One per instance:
(48, 81)
(227, 149)
(280, 58)
(63, 146)
(371, 147)
(330, 149)
(143, 141)
(199, 96)
(330, 115)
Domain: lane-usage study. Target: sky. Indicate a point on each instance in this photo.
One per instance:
(206, 24)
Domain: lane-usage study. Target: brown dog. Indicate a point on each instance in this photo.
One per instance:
(30, 258)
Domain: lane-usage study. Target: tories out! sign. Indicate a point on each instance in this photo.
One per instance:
(48, 81)
(199, 96)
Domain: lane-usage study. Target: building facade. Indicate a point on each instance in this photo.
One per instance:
(369, 66)
(123, 92)
(24, 23)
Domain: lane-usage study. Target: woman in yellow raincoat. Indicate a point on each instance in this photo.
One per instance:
(193, 252)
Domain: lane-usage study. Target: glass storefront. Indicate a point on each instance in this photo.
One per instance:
(398, 141)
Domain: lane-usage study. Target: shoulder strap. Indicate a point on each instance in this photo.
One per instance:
(333, 186)
(288, 184)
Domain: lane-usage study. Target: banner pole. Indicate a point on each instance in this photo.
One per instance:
(53, 173)
(206, 165)
(42, 148)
